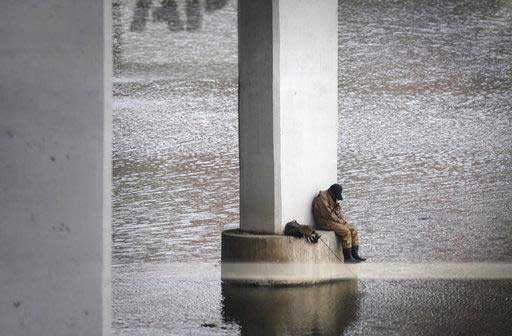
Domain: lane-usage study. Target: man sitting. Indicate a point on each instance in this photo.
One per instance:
(327, 215)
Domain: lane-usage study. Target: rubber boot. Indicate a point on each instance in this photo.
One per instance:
(355, 253)
(347, 256)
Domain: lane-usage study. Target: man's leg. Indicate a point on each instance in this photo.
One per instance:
(354, 238)
(343, 232)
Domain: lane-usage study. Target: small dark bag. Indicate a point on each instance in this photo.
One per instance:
(301, 231)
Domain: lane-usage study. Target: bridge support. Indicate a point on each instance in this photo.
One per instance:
(55, 129)
(287, 109)
(288, 56)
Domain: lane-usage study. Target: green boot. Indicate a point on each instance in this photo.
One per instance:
(347, 256)
(355, 253)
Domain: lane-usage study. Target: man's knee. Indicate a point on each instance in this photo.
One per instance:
(354, 237)
(344, 235)
(353, 232)
(341, 230)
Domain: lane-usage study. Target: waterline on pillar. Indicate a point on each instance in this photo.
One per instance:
(284, 274)
(298, 273)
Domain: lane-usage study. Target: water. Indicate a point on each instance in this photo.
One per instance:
(185, 299)
(424, 154)
(426, 141)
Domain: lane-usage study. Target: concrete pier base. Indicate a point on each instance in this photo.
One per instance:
(277, 260)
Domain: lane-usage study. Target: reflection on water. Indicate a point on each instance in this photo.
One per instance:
(188, 299)
(169, 13)
(314, 310)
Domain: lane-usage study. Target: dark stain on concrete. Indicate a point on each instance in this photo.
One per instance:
(9, 133)
(67, 156)
(61, 228)
(86, 312)
(32, 217)
(52, 158)
(16, 304)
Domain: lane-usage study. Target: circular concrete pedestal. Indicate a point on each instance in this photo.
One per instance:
(256, 259)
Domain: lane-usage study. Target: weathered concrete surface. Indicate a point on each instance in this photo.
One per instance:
(288, 57)
(238, 246)
(55, 179)
(281, 260)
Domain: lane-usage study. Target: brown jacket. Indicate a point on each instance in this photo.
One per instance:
(326, 211)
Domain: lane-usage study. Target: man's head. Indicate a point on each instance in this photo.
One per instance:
(335, 192)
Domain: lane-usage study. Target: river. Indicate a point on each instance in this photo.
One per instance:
(424, 155)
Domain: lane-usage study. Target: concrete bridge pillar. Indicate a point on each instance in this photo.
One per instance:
(288, 57)
(288, 124)
(55, 128)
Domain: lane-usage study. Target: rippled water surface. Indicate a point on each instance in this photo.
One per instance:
(184, 299)
(424, 154)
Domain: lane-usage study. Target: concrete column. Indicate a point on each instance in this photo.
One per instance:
(288, 56)
(55, 129)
